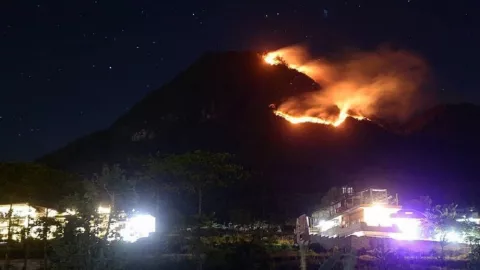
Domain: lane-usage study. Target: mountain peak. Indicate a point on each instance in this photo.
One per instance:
(221, 103)
(219, 88)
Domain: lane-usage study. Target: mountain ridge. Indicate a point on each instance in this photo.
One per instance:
(221, 103)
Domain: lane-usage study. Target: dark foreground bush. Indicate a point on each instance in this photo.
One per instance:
(237, 257)
(155, 265)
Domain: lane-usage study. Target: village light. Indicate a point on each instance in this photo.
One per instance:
(409, 228)
(137, 227)
(72, 212)
(320, 223)
(104, 210)
(325, 225)
(454, 237)
(378, 215)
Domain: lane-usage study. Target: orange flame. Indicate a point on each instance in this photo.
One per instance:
(317, 120)
(293, 57)
(383, 84)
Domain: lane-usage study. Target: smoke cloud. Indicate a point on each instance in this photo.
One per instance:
(383, 84)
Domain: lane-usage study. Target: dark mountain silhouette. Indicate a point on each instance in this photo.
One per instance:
(221, 103)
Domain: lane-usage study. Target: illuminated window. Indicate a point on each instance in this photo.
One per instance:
(347, 190)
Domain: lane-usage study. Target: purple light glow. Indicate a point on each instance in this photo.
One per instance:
(409, 228)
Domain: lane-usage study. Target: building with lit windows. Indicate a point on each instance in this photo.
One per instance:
(24, 215)
(374, 213)
(370, 212)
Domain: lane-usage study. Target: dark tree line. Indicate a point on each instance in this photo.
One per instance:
(161, 177)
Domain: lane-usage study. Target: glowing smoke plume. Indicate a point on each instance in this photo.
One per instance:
(382, 84)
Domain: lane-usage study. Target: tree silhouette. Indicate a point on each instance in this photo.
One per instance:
(44, 225)
(199, 170)
(33, 182)
(440, 221)
(112, 182)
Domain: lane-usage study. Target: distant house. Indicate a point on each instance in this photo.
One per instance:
(373, 213)
(370, 212)
(25, 215)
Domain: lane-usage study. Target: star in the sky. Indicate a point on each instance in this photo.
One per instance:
(78, 38)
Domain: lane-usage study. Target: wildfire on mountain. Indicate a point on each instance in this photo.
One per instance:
(383, 84)
(317, 120)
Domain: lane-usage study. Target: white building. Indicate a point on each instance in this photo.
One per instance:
(374, 213)
(370, 212)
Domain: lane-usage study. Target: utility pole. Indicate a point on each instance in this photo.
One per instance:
(302, 232)
(303, 257)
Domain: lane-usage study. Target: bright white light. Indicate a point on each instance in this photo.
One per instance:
(451, 236)
(358, 234)
(137, 227)
(319, 224)
(104, 210)
(378, 215)
(51, 212)
(19, 209)
(71, 212)
(454, 237)
(470, 219)
(325, 225)
(409, 228)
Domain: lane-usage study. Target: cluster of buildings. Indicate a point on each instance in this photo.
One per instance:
(373, 213)
(26, 216)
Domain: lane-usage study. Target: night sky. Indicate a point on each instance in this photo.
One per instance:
(68, 68)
